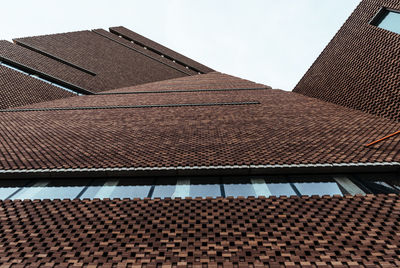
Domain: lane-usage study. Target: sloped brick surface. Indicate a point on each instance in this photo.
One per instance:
(17, 89)
(358, 231)
(160, 48)
(147, 52)
(115, 65)
(285, 128)
(213, 80)
(360, 67)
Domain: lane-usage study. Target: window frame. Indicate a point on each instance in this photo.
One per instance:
(381, 15)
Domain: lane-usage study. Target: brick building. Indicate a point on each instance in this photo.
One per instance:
(117, 151)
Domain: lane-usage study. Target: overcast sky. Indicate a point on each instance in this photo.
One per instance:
(273, 42)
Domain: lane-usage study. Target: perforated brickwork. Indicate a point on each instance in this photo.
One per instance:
(360, 231)
(285, 128)
(360, 67)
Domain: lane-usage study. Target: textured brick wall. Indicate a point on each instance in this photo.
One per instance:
(17, 89)
(358, 231)
(360, 67)
(285, 128)
(160, 48)
(115, 65)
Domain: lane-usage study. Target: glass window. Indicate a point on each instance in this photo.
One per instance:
(205, 190)
(235, 188)
(380, 187)
(278, 189)
(260, 187)
(123, 188)
(205, 187)
(45, 189)
(164, 188)
(182, 188)
(9, 187)
(257, 187)
(318, 188)
(132, 189)
(388, 20)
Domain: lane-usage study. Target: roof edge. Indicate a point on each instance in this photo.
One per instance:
(203, 170)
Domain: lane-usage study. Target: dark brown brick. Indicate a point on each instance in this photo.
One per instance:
(360, 66)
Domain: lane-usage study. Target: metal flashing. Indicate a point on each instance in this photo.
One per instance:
(138, 51)
(183, 91)
(185, 65)
(127, 106)
(204, 170)
(46, 76)
(37, 50)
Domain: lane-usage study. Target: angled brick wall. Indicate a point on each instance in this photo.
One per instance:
(159, 48)
(115, 64)
(17, 89)
(360, 67)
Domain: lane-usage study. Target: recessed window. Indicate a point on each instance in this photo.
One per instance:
(216, 186)
(387, 19)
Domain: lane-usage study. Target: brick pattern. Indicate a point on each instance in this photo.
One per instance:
(360, 66)
(351, 231)
(207, 81)
(115, 65)
(285, 128)
(46, 65)
(213, 80)
(147, 52)
(18, 89)
(160, 48)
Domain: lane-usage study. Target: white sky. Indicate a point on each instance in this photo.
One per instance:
(272, 42)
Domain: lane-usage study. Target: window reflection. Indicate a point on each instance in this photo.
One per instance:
(205, 187)
(199, 187)
(236, 188)
(164, 188)
(278, 189)
(118, 188)
(390, 21)
(10, 187)
(318, 188)
(55, 189)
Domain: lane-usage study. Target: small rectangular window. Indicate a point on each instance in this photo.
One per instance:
(387, 19)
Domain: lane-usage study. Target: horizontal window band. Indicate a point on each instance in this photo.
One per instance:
(200, 186)
(182, 91)
(144, 54)
(155, 51)
(128, 106)
(22, 44)
(45, 76)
